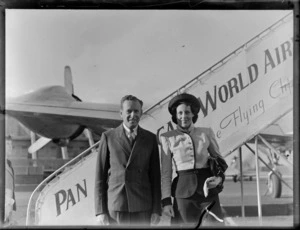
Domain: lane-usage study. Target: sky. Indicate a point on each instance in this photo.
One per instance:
(146, 53)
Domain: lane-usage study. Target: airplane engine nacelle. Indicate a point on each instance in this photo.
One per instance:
(45, 123)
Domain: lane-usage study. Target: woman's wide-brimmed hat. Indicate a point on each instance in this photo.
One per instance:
(184, 97)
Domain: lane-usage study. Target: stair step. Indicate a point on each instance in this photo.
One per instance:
(28, 170)
(29, 179)
(25, 187)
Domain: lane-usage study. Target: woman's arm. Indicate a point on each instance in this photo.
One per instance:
(213, 144)
(214, 150)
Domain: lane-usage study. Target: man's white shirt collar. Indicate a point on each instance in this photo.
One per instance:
(128, 130)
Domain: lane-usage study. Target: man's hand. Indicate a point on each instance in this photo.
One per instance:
(155, 218)
(168, 210)
(102, 219)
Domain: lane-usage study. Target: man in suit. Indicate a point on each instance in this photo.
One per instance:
(128, 184)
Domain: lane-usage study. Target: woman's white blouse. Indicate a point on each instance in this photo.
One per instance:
(187, 151)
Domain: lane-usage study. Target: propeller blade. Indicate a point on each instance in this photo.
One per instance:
(68, 80)
(64, 152)
(40, 143)
(25, 128)
(89, 135)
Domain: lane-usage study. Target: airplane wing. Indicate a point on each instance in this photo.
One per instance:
(53, 113)
(81, 113)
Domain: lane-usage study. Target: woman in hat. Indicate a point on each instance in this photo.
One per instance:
(188, 147)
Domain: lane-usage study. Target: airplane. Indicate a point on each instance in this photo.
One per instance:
(57, 114)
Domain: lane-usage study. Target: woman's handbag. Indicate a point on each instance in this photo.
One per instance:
(218, 166)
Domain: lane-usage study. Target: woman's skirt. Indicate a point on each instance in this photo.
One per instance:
(189, 211)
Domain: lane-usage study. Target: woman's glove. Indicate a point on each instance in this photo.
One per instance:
(168, 210)
(211, 182)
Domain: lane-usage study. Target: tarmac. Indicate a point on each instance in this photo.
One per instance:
(276, 212)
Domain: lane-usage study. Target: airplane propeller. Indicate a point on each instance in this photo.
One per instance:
(40, 143)
(68, 80)
(63, 142)
(37, 145)
(70, 89)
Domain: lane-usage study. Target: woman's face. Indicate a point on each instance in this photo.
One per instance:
(184, 115)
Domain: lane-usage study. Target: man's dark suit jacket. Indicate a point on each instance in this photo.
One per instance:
(128, 178)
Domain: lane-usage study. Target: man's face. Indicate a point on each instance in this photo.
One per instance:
(131, 112)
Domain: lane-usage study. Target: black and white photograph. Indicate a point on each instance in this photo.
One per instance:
(149, 118)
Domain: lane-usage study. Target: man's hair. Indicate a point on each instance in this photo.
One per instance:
(174, 113)
(131, 98)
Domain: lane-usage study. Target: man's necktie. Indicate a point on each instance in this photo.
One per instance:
(131, 137)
